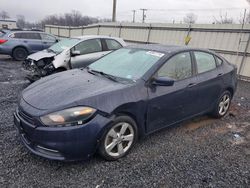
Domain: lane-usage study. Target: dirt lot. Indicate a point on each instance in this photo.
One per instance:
(204, 152)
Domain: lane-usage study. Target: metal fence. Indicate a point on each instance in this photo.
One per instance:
(229, 40)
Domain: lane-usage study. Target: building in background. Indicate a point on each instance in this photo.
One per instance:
(7, 24)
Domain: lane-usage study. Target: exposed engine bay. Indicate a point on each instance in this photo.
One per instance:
(37, 69)
(44, 63)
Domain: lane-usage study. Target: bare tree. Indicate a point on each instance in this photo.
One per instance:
(4, 15)
(248, 18)
(224, 20)
(74, 18)
(190, 18)
(21, 23)
(248, 15)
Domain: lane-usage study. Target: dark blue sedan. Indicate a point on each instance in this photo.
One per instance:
(121, 97)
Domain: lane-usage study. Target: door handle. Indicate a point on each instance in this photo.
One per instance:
(191, 85)
(219, 75)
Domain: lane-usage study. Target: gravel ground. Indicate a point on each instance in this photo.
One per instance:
(203, 152)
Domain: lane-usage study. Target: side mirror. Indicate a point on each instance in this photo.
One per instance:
(163, 81)
(75, 53)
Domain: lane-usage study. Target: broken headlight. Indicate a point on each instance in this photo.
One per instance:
(68, 117)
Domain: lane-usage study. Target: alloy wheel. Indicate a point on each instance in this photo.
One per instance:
(224, 104)
(119, 139)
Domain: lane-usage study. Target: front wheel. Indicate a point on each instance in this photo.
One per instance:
(118, 139)
(223, 104)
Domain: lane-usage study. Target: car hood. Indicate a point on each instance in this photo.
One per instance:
(66, 89)
(40, 55)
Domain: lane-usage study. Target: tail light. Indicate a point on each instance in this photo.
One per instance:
(3, 41)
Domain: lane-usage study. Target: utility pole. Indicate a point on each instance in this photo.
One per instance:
(143, 14)
(114, 11)
(242, 27)
(134, 11)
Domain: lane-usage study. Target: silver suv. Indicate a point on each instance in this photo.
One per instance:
(19, 44)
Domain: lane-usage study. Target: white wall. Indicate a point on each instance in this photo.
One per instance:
(10, 24)
(229, 40)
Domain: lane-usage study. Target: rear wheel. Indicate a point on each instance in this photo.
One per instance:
(223, 104)
(118, 139)
(19, 53)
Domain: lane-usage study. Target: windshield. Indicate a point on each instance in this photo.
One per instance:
(63, 44)
(127, 63)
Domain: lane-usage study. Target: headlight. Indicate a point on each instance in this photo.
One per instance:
(77, 115)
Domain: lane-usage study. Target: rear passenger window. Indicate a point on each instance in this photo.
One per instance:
(205, 61)
(32, 36)
(35, 36)
(112, 44)
(178, 67)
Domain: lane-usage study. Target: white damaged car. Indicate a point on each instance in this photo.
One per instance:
(70, 53)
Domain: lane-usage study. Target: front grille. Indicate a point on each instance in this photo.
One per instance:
(25, 116)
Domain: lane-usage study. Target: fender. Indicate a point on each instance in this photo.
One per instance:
(62, 60)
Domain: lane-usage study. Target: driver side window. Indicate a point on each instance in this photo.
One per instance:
(89, 46)
(177, 67)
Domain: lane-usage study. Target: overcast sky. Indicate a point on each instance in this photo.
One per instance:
(35, 10)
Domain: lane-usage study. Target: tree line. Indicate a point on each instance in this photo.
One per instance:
(73, 18)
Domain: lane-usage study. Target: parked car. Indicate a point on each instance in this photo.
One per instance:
(129, 93)
(69, 54)
(19, 44)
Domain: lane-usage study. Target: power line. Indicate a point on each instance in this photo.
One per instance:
(159, 15)
(207, 9)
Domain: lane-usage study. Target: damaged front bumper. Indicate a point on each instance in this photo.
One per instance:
(34, 71)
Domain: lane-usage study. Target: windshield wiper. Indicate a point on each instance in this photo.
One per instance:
(90, 71)
(113, 78)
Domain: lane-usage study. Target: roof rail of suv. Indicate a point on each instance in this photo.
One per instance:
(16, 29)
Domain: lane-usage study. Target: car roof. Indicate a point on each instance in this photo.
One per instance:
(25, 31)
(93, 37)
(166, 49)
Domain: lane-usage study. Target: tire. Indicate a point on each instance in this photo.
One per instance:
(118, 139)
(33, 78)
(19, 53)
(222, 105)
